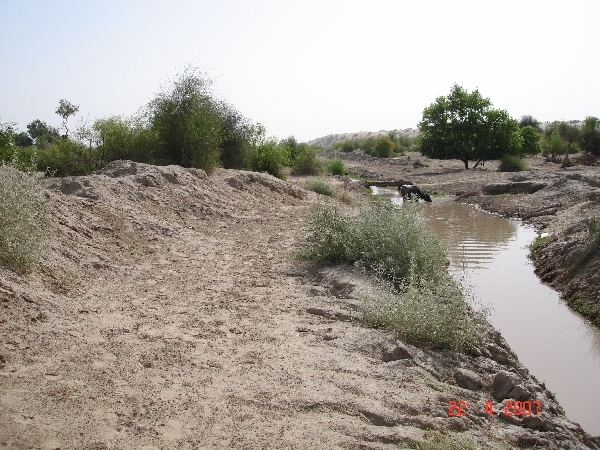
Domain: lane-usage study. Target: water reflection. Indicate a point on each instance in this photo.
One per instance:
(474, 237)
(556, 344)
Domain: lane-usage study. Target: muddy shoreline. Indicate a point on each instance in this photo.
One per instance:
(169, 313)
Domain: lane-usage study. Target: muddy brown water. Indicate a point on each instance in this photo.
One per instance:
(557, 345)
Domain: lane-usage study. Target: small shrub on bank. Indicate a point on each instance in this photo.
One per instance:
(24, 223)
(415, 295)
(536, 244)
(307, 163)
(384, 238)
(512, 163)
(321, 186)
(336, 167)
(426, 312)
(269, 157)
(348, 146)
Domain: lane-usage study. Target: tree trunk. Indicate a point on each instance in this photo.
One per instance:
(566, 162)
(466, 161)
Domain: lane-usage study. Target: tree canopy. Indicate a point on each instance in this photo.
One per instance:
(65, 110)
(464, 126)
(591, 136)
(529, 121)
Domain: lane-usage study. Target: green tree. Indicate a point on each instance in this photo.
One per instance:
(531, 140)
(42, 134)
(552, 144)
(571, 134)
(306, 162)
(292, 146)
(237, 137)
(185, 119)
(590, 139)
(270, 157)
(65, 110)
(348, 146)
(118, 138)
(7, 135)
(23, 139)
(384, 147)
(464, 126)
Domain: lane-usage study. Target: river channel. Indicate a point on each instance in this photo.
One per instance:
(557, 345)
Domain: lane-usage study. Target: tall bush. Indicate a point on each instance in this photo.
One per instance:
(124, 138)
(336, 167)
(185, 120)
(66, 157)
(238, 135)
(269, 157)
(384, 147)
(306, 162)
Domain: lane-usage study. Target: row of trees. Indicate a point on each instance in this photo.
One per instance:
(382, 146)
(465, 126)
(185, 124)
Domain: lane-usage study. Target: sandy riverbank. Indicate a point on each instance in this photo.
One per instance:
(170, 314)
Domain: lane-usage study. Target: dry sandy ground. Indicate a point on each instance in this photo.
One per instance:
(170, 313)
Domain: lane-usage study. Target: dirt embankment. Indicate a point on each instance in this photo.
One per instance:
(170, 314)
(561, 202)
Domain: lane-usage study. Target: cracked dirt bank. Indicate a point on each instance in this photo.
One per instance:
(169, 313)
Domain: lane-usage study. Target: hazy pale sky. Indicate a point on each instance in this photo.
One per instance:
(304, 68)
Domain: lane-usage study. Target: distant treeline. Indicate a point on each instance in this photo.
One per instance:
(185, 124)
(383, 146)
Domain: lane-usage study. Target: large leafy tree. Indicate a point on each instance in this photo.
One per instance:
(463, 125)
(552, 143)
(237, 136)
(384, 147)
(41, 133)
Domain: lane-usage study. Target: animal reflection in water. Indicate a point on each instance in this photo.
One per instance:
(407, 191)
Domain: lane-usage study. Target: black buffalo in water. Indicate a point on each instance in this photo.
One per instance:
(407, 191)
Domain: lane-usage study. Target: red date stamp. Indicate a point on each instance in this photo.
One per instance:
(511, 408)
(456, 409)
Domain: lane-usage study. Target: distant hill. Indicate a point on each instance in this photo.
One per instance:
(331, 139)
